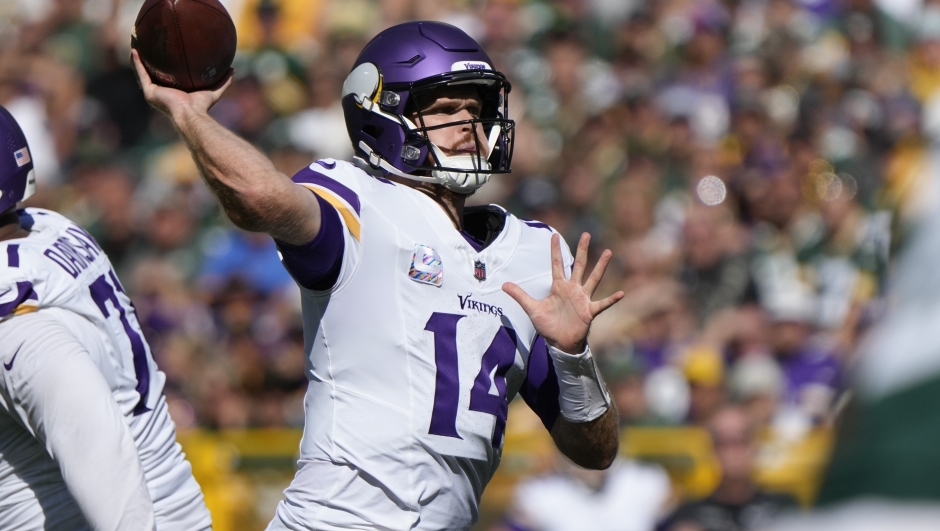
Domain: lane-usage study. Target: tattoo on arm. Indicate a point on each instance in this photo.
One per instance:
(591, 444)
(254, 195)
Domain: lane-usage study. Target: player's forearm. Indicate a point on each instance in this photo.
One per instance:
(592, 444)
(254, 195)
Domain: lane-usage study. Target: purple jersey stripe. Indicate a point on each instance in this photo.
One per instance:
(540, 387)
(13, 255)
(309, 176)
(24, 292)
(317, 264)
(537, 224)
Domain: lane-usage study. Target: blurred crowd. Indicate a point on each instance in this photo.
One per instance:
(751, 163)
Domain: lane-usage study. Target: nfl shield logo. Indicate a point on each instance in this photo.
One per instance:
(479, 271)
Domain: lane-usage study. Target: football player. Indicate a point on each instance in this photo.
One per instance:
(85, 438)
(423, 318)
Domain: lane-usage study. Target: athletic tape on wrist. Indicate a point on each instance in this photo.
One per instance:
(582, 394)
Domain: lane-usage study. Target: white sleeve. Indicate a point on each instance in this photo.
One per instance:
(52, 387)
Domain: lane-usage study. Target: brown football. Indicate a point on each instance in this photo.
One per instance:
(185, 44)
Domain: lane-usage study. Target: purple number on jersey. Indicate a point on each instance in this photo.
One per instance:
(447, 381)
(497, 360)
(101, 293)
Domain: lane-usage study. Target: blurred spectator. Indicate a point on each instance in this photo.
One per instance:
(714, 271)
(812, 374)
(737, 504)
(623, 373)
(628, 496)
(250, 257)
(757, 384)
(705, 371)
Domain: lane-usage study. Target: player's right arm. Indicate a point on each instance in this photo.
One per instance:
(255, 196)
(53, 387)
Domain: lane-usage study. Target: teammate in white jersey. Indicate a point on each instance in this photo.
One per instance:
(422, 318)
(85, 438)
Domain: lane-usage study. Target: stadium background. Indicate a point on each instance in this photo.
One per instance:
(751, 163)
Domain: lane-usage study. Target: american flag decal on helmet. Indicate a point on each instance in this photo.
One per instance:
(479, 270)
(22, 157)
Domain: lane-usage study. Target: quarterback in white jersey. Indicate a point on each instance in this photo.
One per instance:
(85, 438)
(422, 318)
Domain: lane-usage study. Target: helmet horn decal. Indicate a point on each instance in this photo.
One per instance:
(364, 83)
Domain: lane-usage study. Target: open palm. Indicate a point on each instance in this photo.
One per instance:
(564, 317)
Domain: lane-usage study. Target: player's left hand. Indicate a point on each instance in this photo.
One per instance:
(564, 317)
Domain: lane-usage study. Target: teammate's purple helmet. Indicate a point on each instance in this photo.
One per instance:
(382, 98)
(17, 178)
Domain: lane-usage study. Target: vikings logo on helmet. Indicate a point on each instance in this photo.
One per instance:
(379, 98)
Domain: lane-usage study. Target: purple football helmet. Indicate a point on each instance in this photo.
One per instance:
(393, 78)
(17, 178)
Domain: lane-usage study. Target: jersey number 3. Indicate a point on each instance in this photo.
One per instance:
(496, 362)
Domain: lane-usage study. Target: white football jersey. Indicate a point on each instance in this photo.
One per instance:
(413, 356)
(60, 266)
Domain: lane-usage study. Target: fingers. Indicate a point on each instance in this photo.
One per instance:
(221, 87)
(519, 295)
(223, 84)
(580, 259)
(558, 266)
(598, 273)
(599, 306)
(142, 76)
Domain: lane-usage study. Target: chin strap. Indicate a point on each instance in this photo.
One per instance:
(462, 182)
(375, 160)
(456, 180)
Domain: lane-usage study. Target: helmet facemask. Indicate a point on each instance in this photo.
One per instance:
(491, 134)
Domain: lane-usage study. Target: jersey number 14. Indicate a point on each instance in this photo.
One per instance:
(496, 362)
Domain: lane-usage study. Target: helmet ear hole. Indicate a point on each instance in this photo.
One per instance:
(373, 130)
(362, 83)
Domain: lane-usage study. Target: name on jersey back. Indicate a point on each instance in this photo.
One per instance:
(74, 254)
